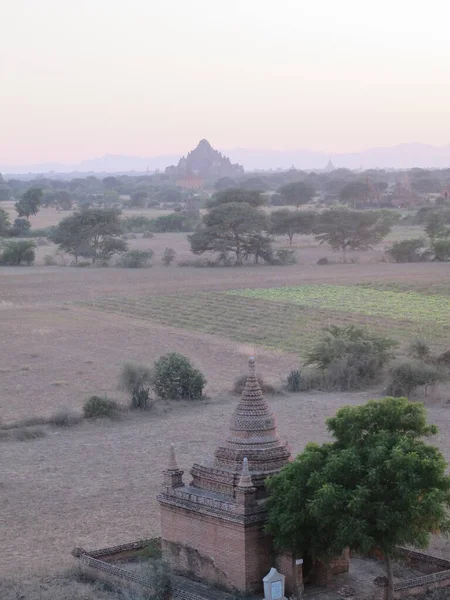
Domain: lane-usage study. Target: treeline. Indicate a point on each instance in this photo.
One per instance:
(373, 187)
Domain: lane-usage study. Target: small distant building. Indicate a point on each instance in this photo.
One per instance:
(329, 167)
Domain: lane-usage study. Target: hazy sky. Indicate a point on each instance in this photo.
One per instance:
(81, 78)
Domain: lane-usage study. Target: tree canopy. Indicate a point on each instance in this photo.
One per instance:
(252, 197)
(378, 484)
(30, 202)
(354, 193)
(237, 228)
(297, 193)
(288, 222)
(345, 229)
(93, 233)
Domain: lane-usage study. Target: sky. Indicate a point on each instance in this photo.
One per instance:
(83, 78)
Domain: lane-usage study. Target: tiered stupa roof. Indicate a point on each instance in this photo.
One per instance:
(251, 452)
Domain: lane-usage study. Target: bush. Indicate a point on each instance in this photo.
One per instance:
(294, 381)
(199, 263)
(407, 376)
(175, 378)
(323, 261)
(44, 232)
(136, 380)
(147, 235)
(64, 418)
(97, 407)
(284, 256)
(20, 227)
(419, 350)
(49, 260)
(168, 257)
(406, 251)
(135, 259)
(441, 249)
(16, 253)
(350, 357)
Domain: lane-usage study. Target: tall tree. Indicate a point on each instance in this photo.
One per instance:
(378, 484)
(288, 222)
(355, 193)
(344, 229)
(93, 233)
(30, 202)
(4, 222)
(297, 193)
(234, 227)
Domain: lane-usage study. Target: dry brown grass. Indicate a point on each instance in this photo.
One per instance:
(95, 484)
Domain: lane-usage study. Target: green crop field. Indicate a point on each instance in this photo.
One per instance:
(290, 319)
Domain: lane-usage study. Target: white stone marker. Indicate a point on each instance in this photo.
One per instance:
(274, 585)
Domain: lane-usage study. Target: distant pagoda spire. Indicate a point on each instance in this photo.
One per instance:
(246, 479)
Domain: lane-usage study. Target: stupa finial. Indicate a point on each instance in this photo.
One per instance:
(252, 366)
(172, 465)
(245, 480)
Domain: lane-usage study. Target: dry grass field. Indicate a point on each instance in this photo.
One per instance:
(65, 333)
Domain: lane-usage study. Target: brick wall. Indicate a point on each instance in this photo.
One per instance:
(238, 556)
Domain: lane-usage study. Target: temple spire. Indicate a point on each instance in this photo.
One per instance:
(252, 366)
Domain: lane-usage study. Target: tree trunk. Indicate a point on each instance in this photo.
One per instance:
(291, 236)
(390, 577)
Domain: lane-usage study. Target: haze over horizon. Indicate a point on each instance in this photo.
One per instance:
(90, 78)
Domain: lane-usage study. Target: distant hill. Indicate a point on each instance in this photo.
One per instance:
(403, 156)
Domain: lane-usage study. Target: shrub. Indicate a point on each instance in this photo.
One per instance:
(136, 380)
(135, 259)
(239, 385)
(44, 232)
(97, 407)
(323, 261)
(405, 251)
(196, 262)
(148, 235)
(441, 249)
(284, 256)
(294, 381)
(18, 252)
(175, 378)
(49, 260)
(20, 227)
(28, 434)
(350, 357)
(65, 418)
(419, 350)
(407, 376)
(168, 257)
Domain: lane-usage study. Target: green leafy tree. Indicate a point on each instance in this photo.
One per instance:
(93, 233)
(14, 253)
(350, 357)
(378, 484)
(437, 223)
(4, 223)
(5, 190)
(30, 202)
(234, 195)
(235, 227)
(406, 251)
(289, 223)
(168, 256)
(441, 249)
(344, 229)
(20, 227)
(175, 378)
(224, 183)
(355, 193)
(297, 193)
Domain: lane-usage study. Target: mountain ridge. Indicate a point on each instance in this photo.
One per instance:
(400, 156)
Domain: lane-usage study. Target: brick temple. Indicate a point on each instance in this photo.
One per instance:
(215, 524)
